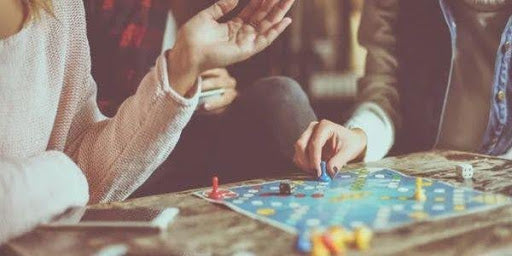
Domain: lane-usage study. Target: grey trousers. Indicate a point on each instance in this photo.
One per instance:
(253, 138)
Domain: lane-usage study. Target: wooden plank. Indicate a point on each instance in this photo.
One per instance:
(205, 229)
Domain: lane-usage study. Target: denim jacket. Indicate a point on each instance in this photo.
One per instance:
(410, 46)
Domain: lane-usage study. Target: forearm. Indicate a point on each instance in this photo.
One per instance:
(34, 190)
(378, 35)
(119, 154)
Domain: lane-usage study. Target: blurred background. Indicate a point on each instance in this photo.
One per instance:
(320, 50)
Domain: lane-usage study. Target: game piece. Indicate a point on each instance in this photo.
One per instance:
(333, 242)
(341, 235)
(324, 177)
(304, 242)
(419, 194)
(285, 188)
(464, 171)
(214, 194)
(319, 248)
(363, 237)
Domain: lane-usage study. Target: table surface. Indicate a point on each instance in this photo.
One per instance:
(203, 228)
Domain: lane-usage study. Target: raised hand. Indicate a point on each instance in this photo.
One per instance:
(203, 43)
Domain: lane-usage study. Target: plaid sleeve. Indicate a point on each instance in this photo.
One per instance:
(126, 38)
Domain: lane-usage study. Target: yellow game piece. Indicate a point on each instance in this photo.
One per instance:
(363, 237)
(338, 236)
(319, 249)
(419, 194)
(341, 235)
(350, 238)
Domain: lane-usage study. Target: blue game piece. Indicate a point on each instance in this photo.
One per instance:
(324, 177)
(304, 242)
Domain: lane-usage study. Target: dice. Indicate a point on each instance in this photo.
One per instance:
(464, 171)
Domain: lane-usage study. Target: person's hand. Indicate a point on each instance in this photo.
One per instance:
(330, 142)
(215, 79)
(203, 43)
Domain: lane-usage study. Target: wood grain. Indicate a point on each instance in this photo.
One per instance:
(206, 229)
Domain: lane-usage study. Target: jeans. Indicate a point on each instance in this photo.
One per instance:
(253, 138)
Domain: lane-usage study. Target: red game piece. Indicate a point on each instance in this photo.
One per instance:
(214, 194)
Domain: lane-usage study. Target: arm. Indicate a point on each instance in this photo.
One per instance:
(118, 154)
(369, 134)
(35, 189)
(377, 113)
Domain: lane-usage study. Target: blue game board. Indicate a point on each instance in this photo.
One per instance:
(378, 198)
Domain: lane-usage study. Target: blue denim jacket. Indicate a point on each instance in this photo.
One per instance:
(497, 139)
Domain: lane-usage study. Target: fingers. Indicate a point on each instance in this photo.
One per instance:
(220, 8)
(217, 79)
(301, 158)
(321, 135)
(338, 161)
(350, 145)
(221, 102)
(275, 16)
(266, 39)
(250, 9)
(214, 72)
(261, 12)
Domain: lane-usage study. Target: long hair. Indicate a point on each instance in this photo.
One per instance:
(35, 7)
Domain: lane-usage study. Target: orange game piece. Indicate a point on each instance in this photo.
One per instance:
(333, 244)
(319, 248)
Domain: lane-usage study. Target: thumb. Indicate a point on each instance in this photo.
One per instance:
(220, 8)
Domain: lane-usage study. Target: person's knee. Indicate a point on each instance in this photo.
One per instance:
(280, 90)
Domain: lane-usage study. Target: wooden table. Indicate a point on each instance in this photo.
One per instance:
(206, 229)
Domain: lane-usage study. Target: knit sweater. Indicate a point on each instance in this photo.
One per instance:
(56, 149)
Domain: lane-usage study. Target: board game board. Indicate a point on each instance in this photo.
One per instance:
(380, 199)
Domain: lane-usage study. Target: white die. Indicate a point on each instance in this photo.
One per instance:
(464, 171)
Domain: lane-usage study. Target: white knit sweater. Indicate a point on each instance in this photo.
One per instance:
(54, 142)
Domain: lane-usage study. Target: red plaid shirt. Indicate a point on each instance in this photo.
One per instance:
(125, 38)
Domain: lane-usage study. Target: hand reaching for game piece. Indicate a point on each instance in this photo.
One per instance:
(216, 79)
(203, 43)
(330, 142)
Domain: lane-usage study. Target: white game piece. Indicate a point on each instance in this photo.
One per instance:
(464, 171)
